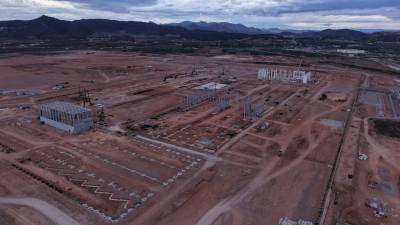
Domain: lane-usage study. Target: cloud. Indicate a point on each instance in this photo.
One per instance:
(308, 21)
(332, 5)
(110, 5)
(312, 14)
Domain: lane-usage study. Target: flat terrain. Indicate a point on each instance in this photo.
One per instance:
(294, 158)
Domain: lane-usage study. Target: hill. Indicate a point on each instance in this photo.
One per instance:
(342, 34)
(219, 27)
(46, 27)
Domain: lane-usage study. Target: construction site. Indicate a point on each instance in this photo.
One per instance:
(93, 138)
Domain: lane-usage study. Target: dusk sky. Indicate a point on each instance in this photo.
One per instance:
(297, 14)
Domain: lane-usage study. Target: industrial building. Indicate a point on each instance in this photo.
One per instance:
(287, 75)
(66, 116)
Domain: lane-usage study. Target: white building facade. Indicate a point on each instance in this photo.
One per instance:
(351, 51)
(287, 75)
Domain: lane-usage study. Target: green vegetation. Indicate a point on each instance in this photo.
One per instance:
(390, 128)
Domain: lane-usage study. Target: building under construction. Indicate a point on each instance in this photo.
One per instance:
(281, 74)
(66, 116)
(196, 98)
(251, 110)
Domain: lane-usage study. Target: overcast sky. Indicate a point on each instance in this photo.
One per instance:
(297, 14)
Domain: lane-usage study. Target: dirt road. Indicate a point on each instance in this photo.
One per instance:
(262, 178)
(51, 212)
(179, 148)
(267, 174)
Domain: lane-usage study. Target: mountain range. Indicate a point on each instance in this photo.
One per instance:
(230, 27)
(240, 28)
(341, 34)
(46, 27)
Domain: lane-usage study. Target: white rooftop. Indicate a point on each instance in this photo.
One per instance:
(351, 51)
(211, 86)
(66, 107)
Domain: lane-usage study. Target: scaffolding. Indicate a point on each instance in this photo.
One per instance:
(251, 110)
(286, 75)
(246, 106)
(84, 96)
(222, 103)
(66, 116)
(196, 98)
(395, 101)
